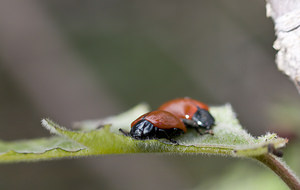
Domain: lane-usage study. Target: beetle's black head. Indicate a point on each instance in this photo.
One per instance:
(203, 118)
(142, 130)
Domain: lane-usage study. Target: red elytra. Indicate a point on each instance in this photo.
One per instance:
(183, 108)
(162, 120)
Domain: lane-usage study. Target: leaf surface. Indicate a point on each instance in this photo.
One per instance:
(97, 137)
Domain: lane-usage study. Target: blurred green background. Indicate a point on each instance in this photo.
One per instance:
(75, 60)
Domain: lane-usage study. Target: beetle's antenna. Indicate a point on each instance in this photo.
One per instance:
(124, 132)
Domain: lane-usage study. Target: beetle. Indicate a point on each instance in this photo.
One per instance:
(193, 113)
(155, 125)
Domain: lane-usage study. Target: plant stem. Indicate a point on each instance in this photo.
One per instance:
(281, 169)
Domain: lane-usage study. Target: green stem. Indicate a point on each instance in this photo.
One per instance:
(281, 169)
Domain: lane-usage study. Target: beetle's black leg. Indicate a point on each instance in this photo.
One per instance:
(193, 124)
(199, 131)
(169, 138)
(124, 132)
(173, 141)
(189, 123)
(209, 132)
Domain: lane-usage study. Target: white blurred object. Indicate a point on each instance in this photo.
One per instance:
(286, 16)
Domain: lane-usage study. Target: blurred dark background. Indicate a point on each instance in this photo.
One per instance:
(76, 60)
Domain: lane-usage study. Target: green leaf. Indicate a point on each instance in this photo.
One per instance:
(95, 137)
